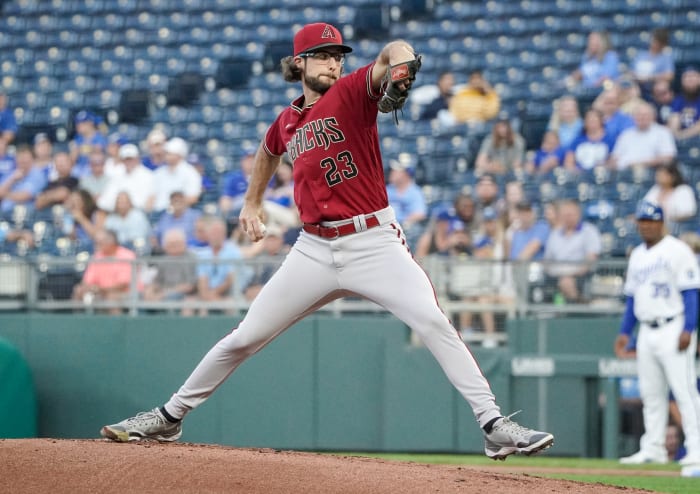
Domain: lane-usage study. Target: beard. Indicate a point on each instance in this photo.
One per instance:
(318, 86)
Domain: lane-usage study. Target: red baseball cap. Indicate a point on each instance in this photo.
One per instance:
(318, 35)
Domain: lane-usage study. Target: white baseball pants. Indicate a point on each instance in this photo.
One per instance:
(375, 264)
(661, 366)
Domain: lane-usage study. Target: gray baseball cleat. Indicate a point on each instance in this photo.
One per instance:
(508, 437)
(146, 425)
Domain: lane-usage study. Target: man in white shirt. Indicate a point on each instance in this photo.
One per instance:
(176, 175)
(646, 144)
(133, 178)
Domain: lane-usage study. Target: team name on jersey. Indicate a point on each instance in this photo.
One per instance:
(318, 133)
(641, 275)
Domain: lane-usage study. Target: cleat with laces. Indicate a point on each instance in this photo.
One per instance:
(508, 437)
(145, 425)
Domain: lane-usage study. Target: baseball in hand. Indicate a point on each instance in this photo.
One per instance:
(263, 229)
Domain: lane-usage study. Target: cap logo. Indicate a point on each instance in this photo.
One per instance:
(328, 33)
(399, 72)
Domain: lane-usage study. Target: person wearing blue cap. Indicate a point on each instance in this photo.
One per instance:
(661, 286)
(491, 282)
(235, 184)
(87, 137)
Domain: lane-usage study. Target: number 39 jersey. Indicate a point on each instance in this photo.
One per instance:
(334, 146)
(656, 277)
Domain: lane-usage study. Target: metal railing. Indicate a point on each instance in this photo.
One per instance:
(508, 289)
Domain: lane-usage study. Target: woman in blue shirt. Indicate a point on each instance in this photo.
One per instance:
(599, 62)
(592, 148)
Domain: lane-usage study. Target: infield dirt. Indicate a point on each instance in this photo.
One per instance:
(98, 466)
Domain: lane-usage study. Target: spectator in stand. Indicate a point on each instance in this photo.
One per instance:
(58, 190)
(113, 163)
(44, 155)
(599, 62)
(216, 269)
(495, 285)
(155, 146)
(614, 119)
(406, 197)
(647, 144)
(23, 184)
(82, 219)
(502, 151)
(549, 156)
(592, 148)
(488, 193)
(672, 193)
(176, 175)
(130, 224)
(88, 136)
(476, 103)
(437, 237)
(199, 236)
(654, 64)
(674, 442)
(235, 184)
(178, 216)
(7, 161)
(441, 102)
(176, 272)
(571, 250)
(268, 261)
(566, 120)
(684, 122)
(630, 96)
(514, 195)
(96, 180)
(135, 179)
(662, 98)
(8, 124)
(197, 163)
(279, 203)
(105, 278)
(527, 235)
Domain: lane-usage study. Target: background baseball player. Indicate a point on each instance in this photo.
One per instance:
(662, 295)
(350, 243)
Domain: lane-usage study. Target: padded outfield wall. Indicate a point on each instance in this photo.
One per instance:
(351, 383)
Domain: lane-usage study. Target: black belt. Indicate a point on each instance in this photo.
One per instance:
(339, 230)
(657, 323)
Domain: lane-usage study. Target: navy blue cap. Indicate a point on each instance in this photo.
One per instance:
(647, 210)
(83, 116)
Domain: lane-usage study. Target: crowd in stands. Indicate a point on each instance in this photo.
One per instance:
(99, 189)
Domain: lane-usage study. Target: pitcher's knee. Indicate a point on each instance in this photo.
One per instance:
(241, 343)
(432, 325)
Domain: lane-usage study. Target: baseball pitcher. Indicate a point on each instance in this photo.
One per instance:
(350, 243)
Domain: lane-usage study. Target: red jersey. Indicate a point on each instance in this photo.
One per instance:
(334, 146)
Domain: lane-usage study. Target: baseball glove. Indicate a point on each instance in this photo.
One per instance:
(397, 83)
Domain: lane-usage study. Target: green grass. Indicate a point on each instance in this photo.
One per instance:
(662, 484)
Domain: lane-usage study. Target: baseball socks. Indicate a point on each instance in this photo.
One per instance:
(167, 416)
(488, 427)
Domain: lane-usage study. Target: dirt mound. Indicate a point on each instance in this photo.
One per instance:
(89, 466)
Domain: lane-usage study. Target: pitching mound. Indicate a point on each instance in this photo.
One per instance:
(88, 466)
